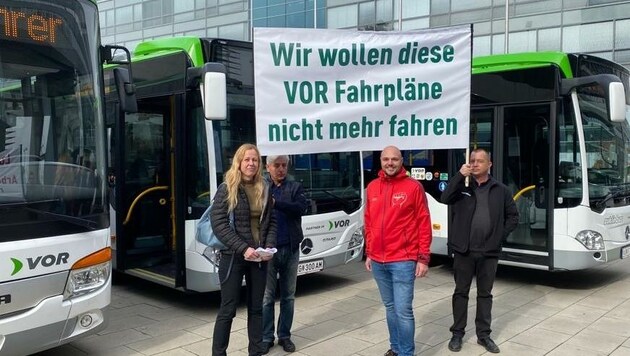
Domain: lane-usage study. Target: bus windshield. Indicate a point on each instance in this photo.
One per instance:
(607, 152)
(51, 149)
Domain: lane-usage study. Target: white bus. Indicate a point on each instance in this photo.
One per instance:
(168, 160)
(55, 255)
(557, 125)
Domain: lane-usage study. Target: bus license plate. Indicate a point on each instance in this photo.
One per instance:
(310, 267)
(625, 252)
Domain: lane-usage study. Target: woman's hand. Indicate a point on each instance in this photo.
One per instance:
(251, 254)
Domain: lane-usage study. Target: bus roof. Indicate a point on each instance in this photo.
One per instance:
(161, 46)
(513, 61)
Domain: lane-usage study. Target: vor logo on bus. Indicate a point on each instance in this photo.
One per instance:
(337, 224)
(45, 260)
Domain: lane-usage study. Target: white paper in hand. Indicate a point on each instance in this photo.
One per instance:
(266, 252)
(262, 252)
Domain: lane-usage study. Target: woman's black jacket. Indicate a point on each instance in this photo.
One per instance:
(239, 238)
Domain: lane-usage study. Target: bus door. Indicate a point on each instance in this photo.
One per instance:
(527, 170)
(518, 138)
(145, 229)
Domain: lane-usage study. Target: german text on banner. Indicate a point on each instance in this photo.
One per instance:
(341, 90)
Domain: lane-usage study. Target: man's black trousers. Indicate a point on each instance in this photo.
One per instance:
(465, 267)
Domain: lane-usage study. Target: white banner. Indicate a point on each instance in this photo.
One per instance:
(341, 90)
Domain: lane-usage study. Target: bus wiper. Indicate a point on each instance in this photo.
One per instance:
(89, 224)
(612, 195)
(346, 203)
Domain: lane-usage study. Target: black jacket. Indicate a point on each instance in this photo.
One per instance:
(240, 238)
(293, 204)
(503, 213)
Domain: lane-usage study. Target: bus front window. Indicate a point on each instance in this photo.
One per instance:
(51, 152)
(607, 152)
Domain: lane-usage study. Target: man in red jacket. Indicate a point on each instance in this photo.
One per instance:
(398, 238)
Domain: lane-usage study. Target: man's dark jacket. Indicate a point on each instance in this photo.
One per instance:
(503, 214)
(293, 204)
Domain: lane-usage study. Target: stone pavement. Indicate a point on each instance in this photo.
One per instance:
(339, 312)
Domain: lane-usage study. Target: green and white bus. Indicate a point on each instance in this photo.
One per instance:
(55, 255)
(168, 159)
(557, 127)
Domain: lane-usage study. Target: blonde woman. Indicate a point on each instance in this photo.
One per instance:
(245, 196)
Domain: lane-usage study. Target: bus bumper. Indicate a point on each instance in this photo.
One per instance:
(576, 260)
(331, 261)
(54, 322)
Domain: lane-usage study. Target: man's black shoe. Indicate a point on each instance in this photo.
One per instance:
(287, 345)
(455, 344)
(489, 345)
(390, 353)
(266, 346)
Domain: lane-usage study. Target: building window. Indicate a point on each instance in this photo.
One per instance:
(464, 5)
(549, 39)
(415, 8)
(588, 38)
(498, 44)
(481, 46)
(384, 11)
(415, 24)
(238, 31)
(522, 41)
(439, 7)
(183, 6)
(342, 16)
(124, 15)
(622, 34)
(367, 13)
(152, 13)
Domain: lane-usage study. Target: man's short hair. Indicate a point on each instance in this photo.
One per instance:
(481, 149)
(272, 159)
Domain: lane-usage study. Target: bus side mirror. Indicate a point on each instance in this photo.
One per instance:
(214, 91)
(126, 90)
(112, 54)
(617, 100)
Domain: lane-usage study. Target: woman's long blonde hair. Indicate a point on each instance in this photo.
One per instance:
(233, 177)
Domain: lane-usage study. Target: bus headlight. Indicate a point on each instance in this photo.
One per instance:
(88, 274)
(356, 240)
(592, 240)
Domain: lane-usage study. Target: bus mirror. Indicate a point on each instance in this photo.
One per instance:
(617, 99)
(126, 90)
(112, 54)
(213, 91)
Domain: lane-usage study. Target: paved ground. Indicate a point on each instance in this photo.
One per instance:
(339, 313)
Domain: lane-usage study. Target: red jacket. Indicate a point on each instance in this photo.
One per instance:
(397, 220)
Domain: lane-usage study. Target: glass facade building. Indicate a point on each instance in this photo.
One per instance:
(600, 27)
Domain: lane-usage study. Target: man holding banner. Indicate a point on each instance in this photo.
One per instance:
(398, 239)
(483, 215)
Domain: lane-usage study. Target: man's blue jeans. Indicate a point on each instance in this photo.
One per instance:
(284, 264)
(395, 281)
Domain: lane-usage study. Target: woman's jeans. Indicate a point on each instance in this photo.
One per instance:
(395, 282)
(255, 277)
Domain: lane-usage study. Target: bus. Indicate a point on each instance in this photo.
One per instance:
(167, 161)
(557, 127)
(55, 255)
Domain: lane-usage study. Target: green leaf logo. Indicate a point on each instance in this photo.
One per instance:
(17, 266)
(330, 225)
